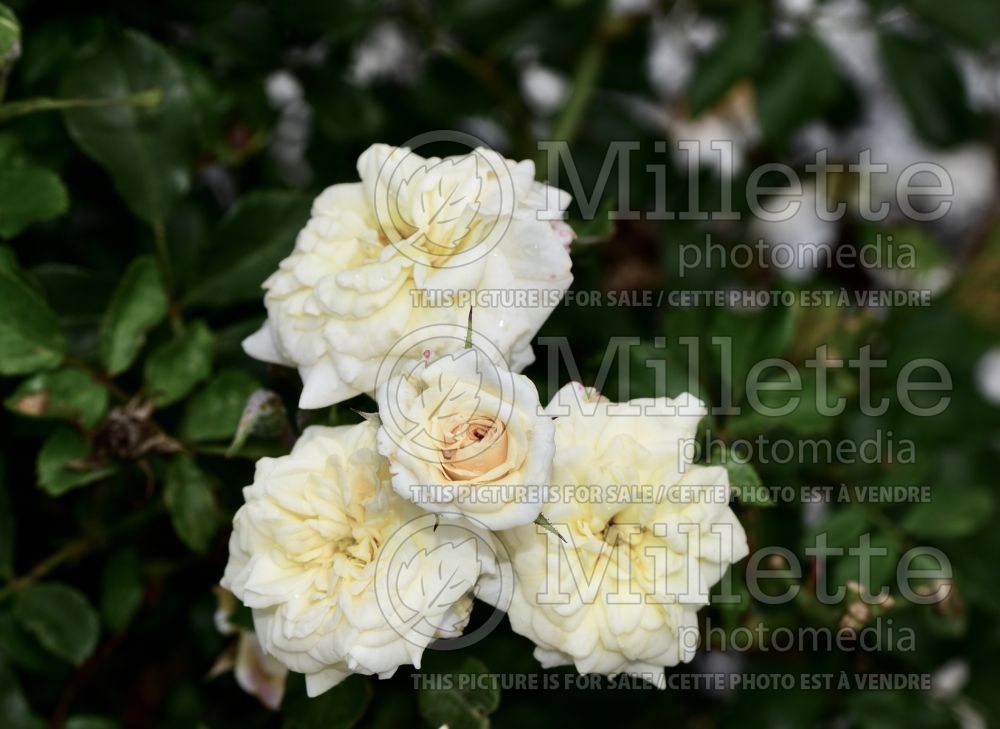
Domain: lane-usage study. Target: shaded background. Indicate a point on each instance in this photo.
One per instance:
(136, 236)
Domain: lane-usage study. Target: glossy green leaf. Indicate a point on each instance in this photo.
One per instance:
(459, 706)
(749, 337)
(54, 45)
(139, 304)
(930, 86)
(191, 503)
(63, 463)
(122, 589)
(842, 527)
(14, 707)
(971, 21)
(255, 236)
(28, 193)
(744, 480)
(735, 56)
(30, 338)
(175, 368)
(798, 82)
(891, 709)
(86, 721)
(795, 410)
(881, 558)
(958, 510)
(214, 412)
(76, 294)
(67, 394)
(24, 650)
(149, 152)
(345, 112)
(61, 618)
(10, 37)
(339, 708)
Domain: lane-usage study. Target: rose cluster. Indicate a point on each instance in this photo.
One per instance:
(369, 542)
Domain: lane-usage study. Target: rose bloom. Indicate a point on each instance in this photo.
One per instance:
(305, 556)
(621, 593)
(374, 260)
(466, 437)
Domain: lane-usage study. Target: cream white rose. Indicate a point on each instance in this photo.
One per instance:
(375, 258)
(337, 581)
(464, 436)
(621, 594)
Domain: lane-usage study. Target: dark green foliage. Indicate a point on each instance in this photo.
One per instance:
(142, 205)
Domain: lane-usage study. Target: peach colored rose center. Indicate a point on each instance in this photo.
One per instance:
(474, 448)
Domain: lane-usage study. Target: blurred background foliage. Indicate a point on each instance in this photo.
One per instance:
(156, 162)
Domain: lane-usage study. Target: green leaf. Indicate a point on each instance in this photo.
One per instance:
(956, 511)
(881, 567)
(191, 504)
(28, 193)
(214, 412)
(391, 711)
(30, 338)
(875, 709)
(10, 38)
(62, 463)
(54, 45)
(798, 82)
(66, 394)
(732, 610)
(929, 257)
(254, 237)
(138, 305)
(930, 87)
(459, 706)
(842, 526)
(79, 297)
(61, 618)
(148, 152)
(13, 706)
(344, 112)
(752, 337)
(76, 294)
(971, 21)
(744, 480)
(805, 418)
(86, 721)
(122, 589)
(733, 57)
(339, 708)
(23, 649)
(176, 367)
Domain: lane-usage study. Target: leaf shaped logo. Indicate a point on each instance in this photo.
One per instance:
(442, 577)
(415, 402)
(428, 572)
(443, 412)
(439, 201)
